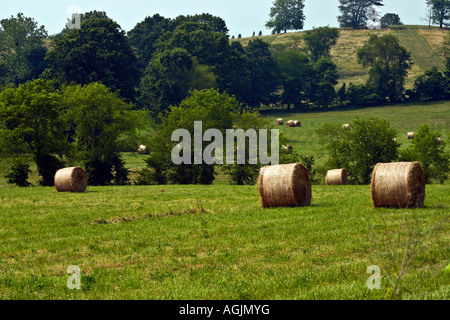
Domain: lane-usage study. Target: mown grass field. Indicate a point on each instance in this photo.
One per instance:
(421, 41)
(215, 242)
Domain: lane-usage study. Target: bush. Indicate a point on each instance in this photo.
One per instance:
(18, 173)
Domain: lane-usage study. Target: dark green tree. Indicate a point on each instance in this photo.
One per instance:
(440, 11)
(144, 36)
(31, 123)
(22, 49)
(389, 63)
(320, 41)
(324, 79)
(264, 74)
(215, 24)
(286, 15)
(391, 19)
(354, 12)
(430, 86)
(98, 52)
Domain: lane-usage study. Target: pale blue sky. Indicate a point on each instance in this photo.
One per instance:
(241, 16)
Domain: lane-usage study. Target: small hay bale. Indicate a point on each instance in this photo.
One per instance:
(143, 150)
(280, 122)
(346, 126)
(297, 124)
(398, 185)
(290, 124)
(288, 148)
(411, 135)
(337, 177)
(285, 186)
(71, 180)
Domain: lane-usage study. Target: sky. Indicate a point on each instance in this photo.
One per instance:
(242, 16)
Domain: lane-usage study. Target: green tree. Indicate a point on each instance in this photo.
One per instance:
(99, 118)
(215, 24)
(31, 123)
(98, 52)
(325, 77)
(430, 86)
(296, 72)
(320, 41)
(391, 19)
(216, 111)
(370, 141)
(354, 12)
(144, 36)
(286, 15)
(429, 149)
(389, 63)
(440, 11)
(264, 74)
(22, 49)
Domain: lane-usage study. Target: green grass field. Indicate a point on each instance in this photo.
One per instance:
(215, 242)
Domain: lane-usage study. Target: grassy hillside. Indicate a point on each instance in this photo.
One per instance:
(215, 242)
(423, 43)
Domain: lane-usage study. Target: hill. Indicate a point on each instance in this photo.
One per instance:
(421, 41)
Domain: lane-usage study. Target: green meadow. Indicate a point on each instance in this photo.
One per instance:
(216, 242)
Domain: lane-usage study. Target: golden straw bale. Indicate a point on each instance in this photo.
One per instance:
(337, 177)
(297, 124)
(398, 185)
(71, 180)
(143, 150)
(290, 124)
(280, 122)
(411, 135)
(285, 186)
(346, 126)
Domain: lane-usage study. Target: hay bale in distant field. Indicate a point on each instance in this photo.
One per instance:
(285, 186)
(143, 150)
(337, 177)
(280, 122)
(346, 126)
(288, 148)
(297, 124)
(71, 180)
(290, 124)
(398, 185)
(411, 135)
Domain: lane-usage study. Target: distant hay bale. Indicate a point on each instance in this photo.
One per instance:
(285, 186)
(411, 135)
(288, 148)
(337, 177)
(398, 185)
(346, 126)
(143, 150)
(297, 124)
(290, 124)
(280, 122)
(395, 139)
(71, 180)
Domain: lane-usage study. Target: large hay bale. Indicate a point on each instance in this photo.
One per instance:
(398, 185)
(346, 126)
(290, 124)
(297, 123)
(280, 122)
(411, 135)
(337, 177)
(288, 148)
(285, 186)
(71, 180)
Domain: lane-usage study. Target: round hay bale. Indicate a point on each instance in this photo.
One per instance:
(280, 122)
(398, 185)
(297, 124)
(337, 177)
(288, 148)
(346, 126)
(285, 186)
(411, 135)
(143, 150)
(290, 124)
(71, 180)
